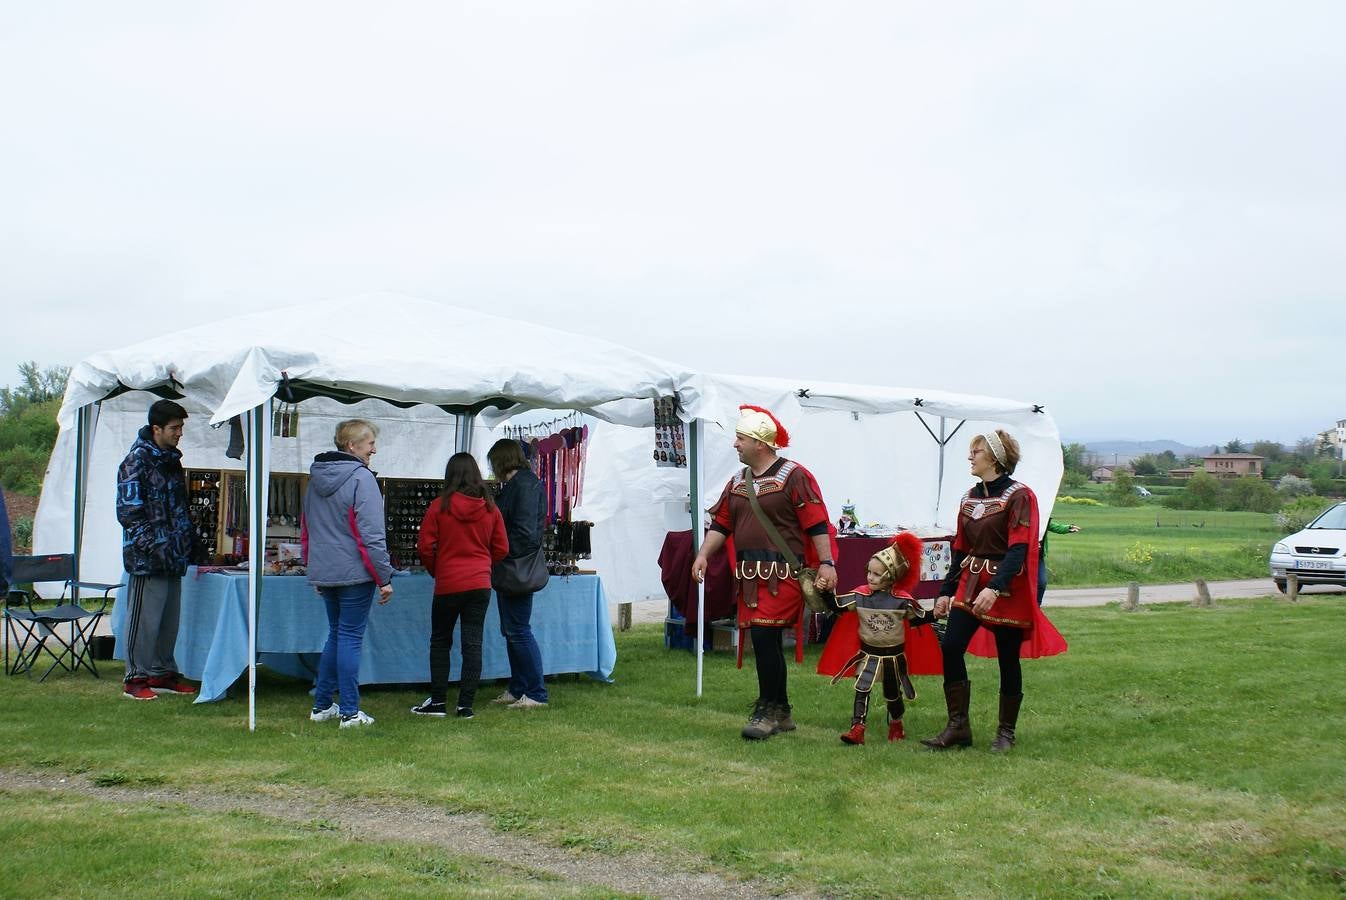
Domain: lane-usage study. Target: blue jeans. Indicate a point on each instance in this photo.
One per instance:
(339, 670)
(525, 659)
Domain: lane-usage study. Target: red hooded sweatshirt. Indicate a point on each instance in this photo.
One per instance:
(458, 545)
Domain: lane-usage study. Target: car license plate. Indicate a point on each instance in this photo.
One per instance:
(1315, 564)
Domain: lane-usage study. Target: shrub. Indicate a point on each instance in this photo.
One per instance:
(1298, 513)
(22, 469)
(1251, 494)
(1078, 501)
(1140, 554)
(1294, 486)
(23, 535)
(1202, 491)
(1122, 491)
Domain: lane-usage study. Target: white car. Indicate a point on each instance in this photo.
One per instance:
(1316, 555)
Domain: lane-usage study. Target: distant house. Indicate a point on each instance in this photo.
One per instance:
(1224, 465)
(1334, 439)
(1106, 473)
(1234, 465)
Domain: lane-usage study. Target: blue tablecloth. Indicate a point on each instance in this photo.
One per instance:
(570, 621)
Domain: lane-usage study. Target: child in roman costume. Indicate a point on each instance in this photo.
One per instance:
(883, 606)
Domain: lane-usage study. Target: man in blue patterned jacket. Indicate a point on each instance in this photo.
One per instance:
(156, 546)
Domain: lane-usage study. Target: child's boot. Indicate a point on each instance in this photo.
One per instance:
(858, 715)
(896, 709)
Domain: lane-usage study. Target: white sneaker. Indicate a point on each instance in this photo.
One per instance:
(506, 697)
(360, 718)
(325, 715)
(526, 703)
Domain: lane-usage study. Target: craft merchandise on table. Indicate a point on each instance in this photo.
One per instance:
(557, 452)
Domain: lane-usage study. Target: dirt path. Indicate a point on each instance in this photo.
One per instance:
(463, 835)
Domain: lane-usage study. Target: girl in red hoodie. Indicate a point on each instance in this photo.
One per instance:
(462, 535)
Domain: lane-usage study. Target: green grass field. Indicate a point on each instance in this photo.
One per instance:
(1154, 545)
(1172, 751)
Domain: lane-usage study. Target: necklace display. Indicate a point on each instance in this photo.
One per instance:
(557, 453)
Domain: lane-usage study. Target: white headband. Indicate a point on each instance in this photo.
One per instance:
(997, 447)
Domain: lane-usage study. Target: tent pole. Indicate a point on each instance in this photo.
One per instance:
(694, 458)
(258, 487)
(939, 485)
(81, 474)
(463, 424)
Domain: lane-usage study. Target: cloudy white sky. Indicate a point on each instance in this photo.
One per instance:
(1133, 212)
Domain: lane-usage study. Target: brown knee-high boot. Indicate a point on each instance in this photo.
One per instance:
(1009, 717)
(958, 732)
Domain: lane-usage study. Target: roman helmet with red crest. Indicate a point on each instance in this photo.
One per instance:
(901, 561)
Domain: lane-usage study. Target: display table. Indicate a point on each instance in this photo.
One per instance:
(570, 621)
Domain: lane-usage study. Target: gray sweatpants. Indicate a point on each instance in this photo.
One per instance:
(153, 604)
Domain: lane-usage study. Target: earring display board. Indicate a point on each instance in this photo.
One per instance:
(670, 438)
(405, 501)
(203, 507)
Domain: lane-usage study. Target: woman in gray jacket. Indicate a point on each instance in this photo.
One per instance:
(346, 552)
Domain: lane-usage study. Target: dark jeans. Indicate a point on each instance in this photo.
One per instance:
(962, 626)
(1042, 578)
(525, 659)
(445, 611)
(768, 649)
(339, 668)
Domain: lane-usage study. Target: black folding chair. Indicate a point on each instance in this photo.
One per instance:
(68, 625)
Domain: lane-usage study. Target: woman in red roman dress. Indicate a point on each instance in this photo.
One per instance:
(992, 588)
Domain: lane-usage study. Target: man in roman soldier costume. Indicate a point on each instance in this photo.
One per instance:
(771, 517)
(882, 606)
(990, 594)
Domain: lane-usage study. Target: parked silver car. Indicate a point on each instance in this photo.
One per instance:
(1316, 555)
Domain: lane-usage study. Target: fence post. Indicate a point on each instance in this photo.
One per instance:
(1132, 596)
(1292, 586)
(1203, 595)
(623, 616)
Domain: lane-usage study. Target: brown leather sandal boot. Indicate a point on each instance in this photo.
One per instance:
(1009, 717)
(958, 731)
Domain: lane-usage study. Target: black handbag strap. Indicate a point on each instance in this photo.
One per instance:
(766, 523)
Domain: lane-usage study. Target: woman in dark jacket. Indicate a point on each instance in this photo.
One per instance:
(521, 503)
(461, 537)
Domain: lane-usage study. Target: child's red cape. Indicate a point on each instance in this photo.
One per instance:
(922, 647)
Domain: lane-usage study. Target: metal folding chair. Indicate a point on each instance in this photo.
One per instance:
(63, 631)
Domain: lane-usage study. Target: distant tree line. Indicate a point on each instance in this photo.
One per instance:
(28, 425)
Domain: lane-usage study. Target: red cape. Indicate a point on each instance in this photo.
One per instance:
(1042, 639)
(922, 647)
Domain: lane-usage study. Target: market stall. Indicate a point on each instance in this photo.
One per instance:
(418, 358)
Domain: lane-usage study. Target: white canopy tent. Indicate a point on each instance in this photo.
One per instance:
(900, 452)
(437, 370)
(401, 350)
